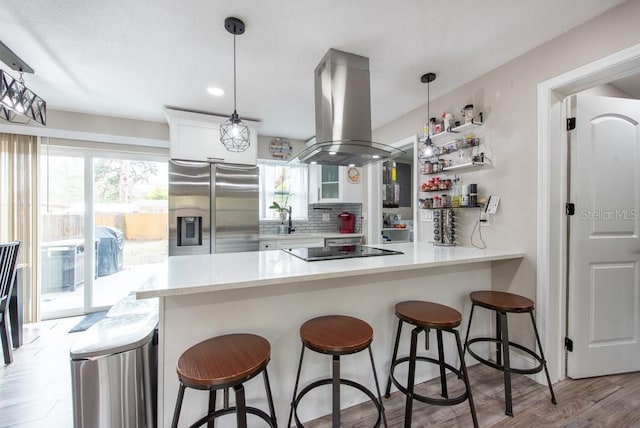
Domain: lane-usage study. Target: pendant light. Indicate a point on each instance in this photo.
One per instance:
(234, 134)
(18, 103)
(427, 151)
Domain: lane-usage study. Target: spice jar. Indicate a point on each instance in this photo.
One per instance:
(467, 113)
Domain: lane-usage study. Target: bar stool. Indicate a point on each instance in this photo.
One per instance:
(425, 316)
(503, 303)
(336, 335)
(225, 362)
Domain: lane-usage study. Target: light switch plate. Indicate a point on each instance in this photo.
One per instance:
(492, 204)
(326, 217)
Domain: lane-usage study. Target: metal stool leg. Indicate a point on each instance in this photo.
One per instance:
(176, 411)
(336, 391)
(498, 340)
(295, 388)
(212, 407)
(465, 376)
(375, 378)
(544, 361)
(241, 407)
(466, 338)
(225, 396)
(408, 412)
(267, 387)
(443, 373)
(507, 365)
(387, 393)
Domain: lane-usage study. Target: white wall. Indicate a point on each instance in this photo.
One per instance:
(507, 96)
(107, 125)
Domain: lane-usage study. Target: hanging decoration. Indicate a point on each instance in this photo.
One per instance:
(280, 148)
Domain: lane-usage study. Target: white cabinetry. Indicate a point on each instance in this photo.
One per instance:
(267, 245)
(299, 243)
(196, 136)
(330, 184)
(279, 244)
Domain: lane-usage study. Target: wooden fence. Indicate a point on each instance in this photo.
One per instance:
(135, 226)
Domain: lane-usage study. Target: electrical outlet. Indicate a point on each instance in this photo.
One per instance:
(326, 217)
(484, 219)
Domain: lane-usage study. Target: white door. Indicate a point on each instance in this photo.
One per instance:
(604, 238)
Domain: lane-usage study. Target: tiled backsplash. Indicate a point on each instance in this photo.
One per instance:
(315, 223)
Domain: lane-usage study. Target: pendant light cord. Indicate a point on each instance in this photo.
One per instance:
(428, 103)
(234, 73)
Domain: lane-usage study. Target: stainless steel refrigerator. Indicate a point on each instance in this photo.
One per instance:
(213, 208)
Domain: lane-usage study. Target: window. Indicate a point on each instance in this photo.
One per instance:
(285, 184)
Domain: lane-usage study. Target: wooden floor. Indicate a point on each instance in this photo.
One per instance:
(608, 401)
(35, 392)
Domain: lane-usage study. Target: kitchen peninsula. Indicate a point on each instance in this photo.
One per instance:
(271, 293)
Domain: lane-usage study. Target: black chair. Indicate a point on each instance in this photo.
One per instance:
(8, 261)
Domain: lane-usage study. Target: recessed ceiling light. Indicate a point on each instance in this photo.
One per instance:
(352, 164)
(376, 156)
(332, 153)
(216, 91)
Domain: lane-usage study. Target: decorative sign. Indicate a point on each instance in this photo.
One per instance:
(353, 175)
(279, 148)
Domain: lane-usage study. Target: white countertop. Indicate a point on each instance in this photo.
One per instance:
(301, 235)
(183, 275)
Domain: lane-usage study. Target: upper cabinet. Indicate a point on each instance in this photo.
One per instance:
(196, 136)
(335, 184)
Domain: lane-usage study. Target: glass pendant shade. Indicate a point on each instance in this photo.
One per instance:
(234, 134)
(20, 104)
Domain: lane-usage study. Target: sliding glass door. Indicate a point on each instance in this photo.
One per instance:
(62, 249)
(104, 226)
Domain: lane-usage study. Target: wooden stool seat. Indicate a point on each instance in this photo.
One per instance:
(223, 360)
(428, 314)
(336, 334)
(224, 363)
(502, 301)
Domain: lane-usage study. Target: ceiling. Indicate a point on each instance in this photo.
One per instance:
(130, 59)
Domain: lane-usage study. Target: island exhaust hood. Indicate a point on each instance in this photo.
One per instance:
(343, 114)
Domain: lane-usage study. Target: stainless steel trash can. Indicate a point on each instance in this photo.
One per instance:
(114, 372)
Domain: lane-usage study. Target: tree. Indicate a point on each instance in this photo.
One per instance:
(115, 177)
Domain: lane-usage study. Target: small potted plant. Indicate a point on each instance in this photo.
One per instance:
(282, 210)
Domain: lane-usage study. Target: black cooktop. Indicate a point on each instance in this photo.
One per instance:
(339, 252)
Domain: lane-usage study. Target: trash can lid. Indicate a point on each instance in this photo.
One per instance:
(114, 335)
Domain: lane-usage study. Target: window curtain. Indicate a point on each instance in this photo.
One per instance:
(18, 209)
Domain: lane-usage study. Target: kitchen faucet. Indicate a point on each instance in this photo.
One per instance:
(290, 227)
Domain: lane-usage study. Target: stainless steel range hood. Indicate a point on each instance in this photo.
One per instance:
(343, 114)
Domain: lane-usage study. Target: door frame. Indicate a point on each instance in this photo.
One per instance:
(551, 271)
(374, 198)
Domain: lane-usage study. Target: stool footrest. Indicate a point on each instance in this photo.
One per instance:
(329, 381)
(429, 400)
(252, 410)
(501, 367)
